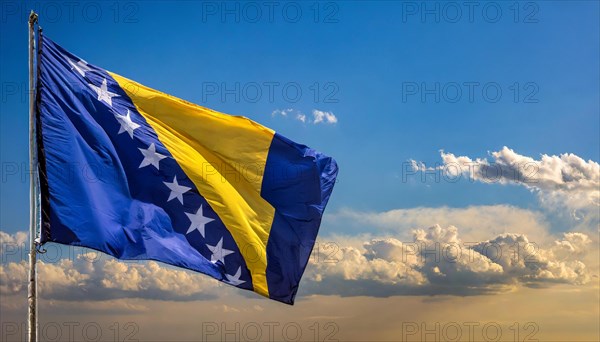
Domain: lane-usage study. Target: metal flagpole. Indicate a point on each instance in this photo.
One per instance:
(32, 288)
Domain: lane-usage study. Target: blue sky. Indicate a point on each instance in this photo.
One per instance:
(361, 62)
(375, 66)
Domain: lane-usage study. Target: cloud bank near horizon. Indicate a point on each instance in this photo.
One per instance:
(436, 261)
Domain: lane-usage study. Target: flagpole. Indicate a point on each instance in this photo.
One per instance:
(32, 288)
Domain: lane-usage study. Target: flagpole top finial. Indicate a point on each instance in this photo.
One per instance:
(33, 17)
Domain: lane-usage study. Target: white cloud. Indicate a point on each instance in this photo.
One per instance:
(565, 180)
(282, 112)
(323, 117)
(318, 116)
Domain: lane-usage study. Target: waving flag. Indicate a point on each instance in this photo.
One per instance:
(139, 174)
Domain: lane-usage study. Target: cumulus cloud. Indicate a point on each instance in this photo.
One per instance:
(438, 261)
(13, 277)
(432, 261)
(17, 239)
(565, 180)
(152, 278)
(573, 243)
(93, 278)
(323, 117)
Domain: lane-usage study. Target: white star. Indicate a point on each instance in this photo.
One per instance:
(218, 252)
(103, 93)
(177, 190)
(198, 221)
(127, 125)
(81, 67)
(151, 157)
(235, 279)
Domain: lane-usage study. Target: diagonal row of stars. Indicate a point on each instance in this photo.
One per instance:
(197, 221)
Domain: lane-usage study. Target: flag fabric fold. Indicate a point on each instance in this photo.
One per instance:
(139, 174)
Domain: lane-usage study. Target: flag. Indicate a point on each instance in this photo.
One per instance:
(138, 174)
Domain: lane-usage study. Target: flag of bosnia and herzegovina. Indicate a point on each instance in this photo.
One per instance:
(139, 174)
